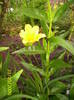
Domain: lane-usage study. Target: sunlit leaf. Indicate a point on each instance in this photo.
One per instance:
(28, 52)
(4, 85)
(17, 75)
(3, 48)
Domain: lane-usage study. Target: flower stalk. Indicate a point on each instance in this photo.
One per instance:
(47, 78)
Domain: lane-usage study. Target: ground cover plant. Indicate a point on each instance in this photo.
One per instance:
(46, 57)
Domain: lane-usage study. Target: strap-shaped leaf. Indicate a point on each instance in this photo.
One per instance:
(37, 82)
(57, 87)
(17, 75)
(63, 43)
(72, 90)
(58, 64)
(5, 65)
(17, 96)
(62, 97)
(33, 68)
(60, 11)
(28, 52)
(59, 78)
(3, 48)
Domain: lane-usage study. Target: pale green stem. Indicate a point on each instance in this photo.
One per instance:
(50, 19)
(48, 45)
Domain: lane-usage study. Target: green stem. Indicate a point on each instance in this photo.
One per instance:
(50, 30)
(50, 19)
(26, 3)
(48, 46)
(49, 35)
(47, 68)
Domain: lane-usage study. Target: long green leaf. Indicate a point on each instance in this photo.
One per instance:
(72, 90)
(31, 67)
(28, 52)
(17, 75)
(57, 87)
(60, 78)
(21, 96)
(57, 64)
(37, 82)
(5, 65)
(3, 48)
(63, 43)
(61, 97)
(60, 11)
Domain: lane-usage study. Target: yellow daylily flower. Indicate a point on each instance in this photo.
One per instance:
(31, 34)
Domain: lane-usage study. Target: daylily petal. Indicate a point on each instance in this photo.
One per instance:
(24, 42)
(35, 29)
(28, 28)
(21, 33)
(41, 35)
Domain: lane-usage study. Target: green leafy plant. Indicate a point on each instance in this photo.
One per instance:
(38, 85)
